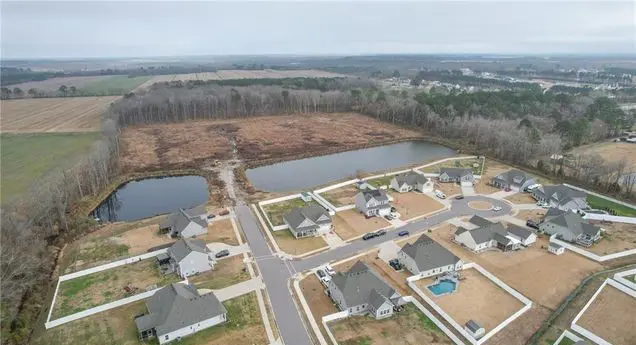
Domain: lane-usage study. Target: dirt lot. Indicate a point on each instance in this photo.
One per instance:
(618, 237)
(449, 188)
(297, 246)
(520, 330)
(226, 272)
(98, 288)
(517, 268)
(173, 145)
(72, 114)
(521, 198)
(616, 309)
(221, 231)
(535, 215)
(319, 303)
(413, 204)
(341, 196)
(351, 223)
(405, 328)
(480, 205)
(489, 304)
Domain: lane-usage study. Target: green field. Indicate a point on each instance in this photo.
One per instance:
(116, 85)
(599, 203)
(27, 157)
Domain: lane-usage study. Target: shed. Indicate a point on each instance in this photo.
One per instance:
(474, 329)
(556, 248)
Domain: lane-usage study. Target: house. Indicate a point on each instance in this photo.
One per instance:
(571, 227)
(426, 258)
(411, 180)
(555, 249)
(186, 223)
(310, 220)
(178, 310)
(479, 221)
(187, 257)
(360, 290)
(373, 202)
(516, 180)
(561, 196)
(523, 235)
(474, 329)
(463, 176)
(489, 235)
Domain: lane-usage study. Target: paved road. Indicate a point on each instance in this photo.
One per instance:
(276, 272)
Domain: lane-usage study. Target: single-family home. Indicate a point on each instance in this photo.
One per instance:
(556, 249)
(178, 310)
(411, 180)
(187, 257)
(474, 329)
(463, 176)
(523, 235)
(489, 235)
(307, 221)
(186, 223)
(570, 227)
(516, 180)
(373, 202)
(426, 258)
(360, 290)
(561, 197)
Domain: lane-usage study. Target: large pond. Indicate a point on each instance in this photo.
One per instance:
(150, 197)
(303, 174)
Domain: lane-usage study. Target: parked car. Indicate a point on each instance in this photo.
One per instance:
(459, 197)
(439, 194)
(497, 208)
(222, 253)
(368, 236)
(330, 271)
(211, 216)
(380, 233)
(393, 209)
(320, 273)
(389, 217)
(395, 263)
(403, 233)
(323, 277)
(532, 224)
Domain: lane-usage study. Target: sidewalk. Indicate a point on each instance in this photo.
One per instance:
(333, 240)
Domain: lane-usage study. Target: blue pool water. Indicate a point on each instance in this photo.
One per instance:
(442, 288)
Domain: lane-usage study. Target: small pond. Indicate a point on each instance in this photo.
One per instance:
(150, 197)
(304, 174)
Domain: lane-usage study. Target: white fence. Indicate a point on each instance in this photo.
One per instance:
(568, 334)
(590, 255)
(335, 186)
(444, 160)
(620, 277)
(325, 203)
(273, 201)
(602, 196)
(333, 317)
(610, 218)
(130, 260)
(586, 333)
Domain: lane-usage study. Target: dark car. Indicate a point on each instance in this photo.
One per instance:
(532, 224)
(222, 253)
(211, 216)
(395, 263)
(403, 233)
(380, 233)
(459, 197)
(320, 273)
(393, 209)
(368, 236)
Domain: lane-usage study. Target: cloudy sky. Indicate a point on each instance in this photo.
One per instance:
(158, 28)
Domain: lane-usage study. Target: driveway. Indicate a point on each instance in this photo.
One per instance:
(216, 247)
(388, 251)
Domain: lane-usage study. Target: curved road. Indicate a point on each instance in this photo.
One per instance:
(276, 272)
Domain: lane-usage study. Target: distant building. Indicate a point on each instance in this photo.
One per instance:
(463, 176)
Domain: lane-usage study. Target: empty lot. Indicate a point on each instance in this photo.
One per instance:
(351, 223)
(414, 204)
(68, 114)
(341, 196)
(616, 309)
(617, 237)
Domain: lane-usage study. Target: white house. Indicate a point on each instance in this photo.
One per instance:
(189, 257)
(426, 258)
(516, 180)
(411, 180)
(561, 197)
(311, 220)
(463, 176)
(490, 235)
(555, 249)
(570, 227)
(373, 202)
(525, 236)
(178, 310)
(186, 223)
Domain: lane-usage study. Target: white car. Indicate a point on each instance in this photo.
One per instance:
(497, 208)
(330, 271)
(439, 194)
(323, 277)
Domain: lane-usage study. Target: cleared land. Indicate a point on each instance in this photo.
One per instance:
(68, 114)
(489, 304)
(220, 231)
(342, 196)
(28, 157)
(96, 289)
(414, 204)
(616, 309)
(319, 303)
(448, 188)
(191, 143)
(351, 223)
(297, 246)
(514, 268)
(610, 151)
(617, 237)
(535, 215)
(474, 163)
(409, 326)
(53, 84)
(521, 198)
(276, 211)
(226, 272)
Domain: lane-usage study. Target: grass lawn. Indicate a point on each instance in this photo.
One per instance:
(276, 211)
(461, 163)
(297, 246)
(566, 341)
(599, 203)
(27, 157)
(116, 85)
(380, 181)
(107, 286)
(227, 272)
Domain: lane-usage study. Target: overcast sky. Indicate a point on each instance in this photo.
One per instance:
(125, 29)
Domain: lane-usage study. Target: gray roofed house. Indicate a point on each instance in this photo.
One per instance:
(514, 179)
(427, 258)
(373, 202)
(493, 235)
(411, 180)
(178, 310)
(562, 197)
(361, 290)
(186, 223)
(479, 221)
(571, 227)
(553, 212)
(310, 220)
(189, 257)
(524, 235)
(460, 175)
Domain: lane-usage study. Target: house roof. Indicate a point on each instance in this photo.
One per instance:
(180, 249)
(553, 212)
(575, 224)
(359, 282)
(376, 194)
(429, 254)
(473, 326)
(479, 221)
(554, 245)
(312, 216)
(177, 306)
(514, 176)
(564, 194)
(179, 220)
(410, 178)
(486, 233)
(519, 231)
(456, 172)
(376, 299)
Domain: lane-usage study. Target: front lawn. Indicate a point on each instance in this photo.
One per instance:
(226, 272)
(596, 202)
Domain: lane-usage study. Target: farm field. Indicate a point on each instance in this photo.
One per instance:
(28, 157)
(53, 84)
(115, 85)
(616, 309)
(67, 114)
(259, 138)
(610, 151)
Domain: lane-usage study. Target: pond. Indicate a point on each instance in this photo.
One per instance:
(304, 174)
(150, 197)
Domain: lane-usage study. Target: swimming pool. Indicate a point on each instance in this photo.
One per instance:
(443, 287)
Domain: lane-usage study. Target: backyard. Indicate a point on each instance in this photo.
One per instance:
(534, 215)
(473, 163)
(407, 327)
(616, 309)
(319, 303)
(95, 289)
(276, 211)
(221, 231)
(341, 196)
(380, 181)
(297, 246)
(226, 272)
(414, 204)
(521, 198)
(351, 223)
(599, 203)
(617, 237)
